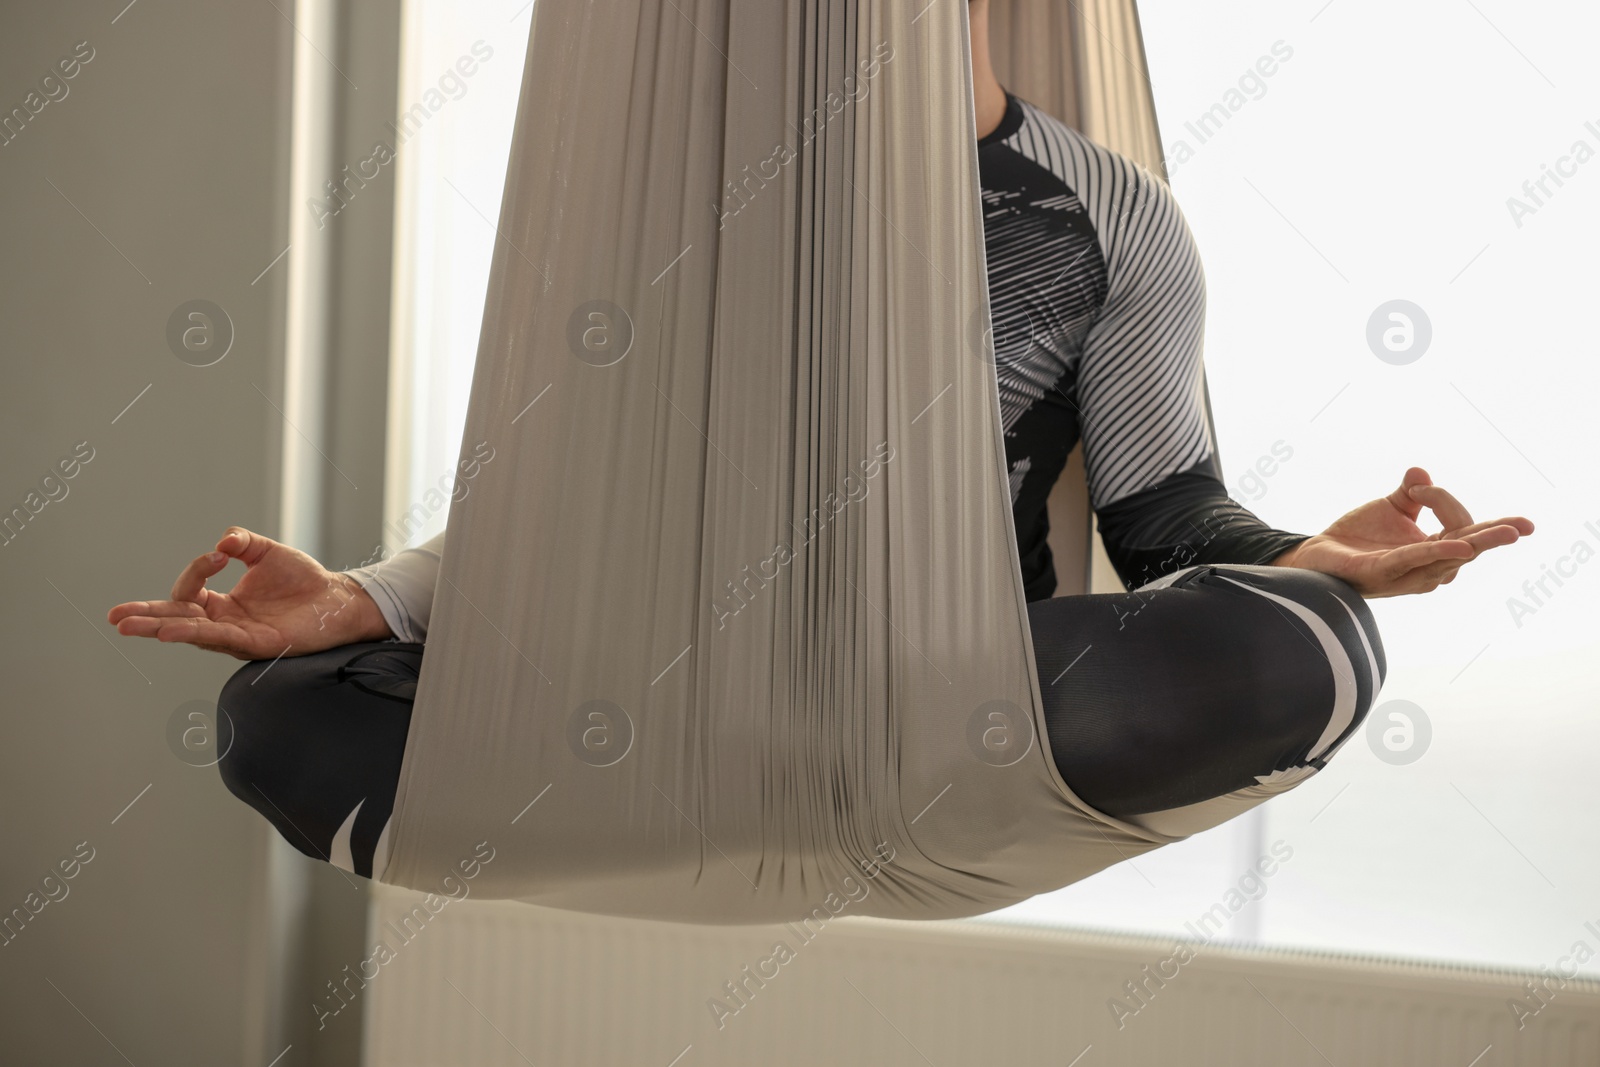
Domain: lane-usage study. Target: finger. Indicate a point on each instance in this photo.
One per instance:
(1523, 526)
(1397, 563)
(154, 609)
(1421, 580)
(1443, 571)
(225, 651)
(1440, 573)
(1487, 537)
(244, 545)
(155, 625)
(1402, 499)
(1450, 512)
(215, 635)
(191, 584)
(140, 626)
(1492, 537)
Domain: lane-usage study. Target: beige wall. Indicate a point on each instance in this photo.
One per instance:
(160, 177)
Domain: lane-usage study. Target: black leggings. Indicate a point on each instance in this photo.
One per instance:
(1182, 691)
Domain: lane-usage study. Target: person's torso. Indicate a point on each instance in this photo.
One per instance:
(1047, 284)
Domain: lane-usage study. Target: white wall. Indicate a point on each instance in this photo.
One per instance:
(156, 180)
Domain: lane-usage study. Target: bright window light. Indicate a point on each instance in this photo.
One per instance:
(453, 143)
(1447, 155)
(1397, 226)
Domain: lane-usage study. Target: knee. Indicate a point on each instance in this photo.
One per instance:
(258, 765)
(242, 706)
(1345, 612)
(1333, 627)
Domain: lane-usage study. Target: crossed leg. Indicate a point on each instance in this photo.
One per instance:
(1177, 705)
(317, 745)
(1183, 703)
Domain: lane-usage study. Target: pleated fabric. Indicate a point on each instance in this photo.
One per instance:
(1084, 63)
(732, 626)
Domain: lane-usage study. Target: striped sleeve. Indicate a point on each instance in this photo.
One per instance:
(1141, 382)
(1138, 380)
(402, 586)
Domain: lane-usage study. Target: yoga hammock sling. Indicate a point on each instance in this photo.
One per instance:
(733, 621)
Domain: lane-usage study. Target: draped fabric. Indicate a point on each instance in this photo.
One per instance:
(733, 621)
(1084, 63)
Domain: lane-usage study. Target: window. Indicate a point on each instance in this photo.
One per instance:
(1362, 170)
(453, 140)
(1382, 161)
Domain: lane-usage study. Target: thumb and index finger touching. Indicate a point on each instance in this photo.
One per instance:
(244, 545)
(235, 543)
(1417, 491)
(189, 593)
(1468, 540)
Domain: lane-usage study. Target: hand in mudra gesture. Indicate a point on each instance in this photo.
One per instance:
(286, 603)
(1381, 551)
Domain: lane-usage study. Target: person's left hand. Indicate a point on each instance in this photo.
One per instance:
(1379, 549)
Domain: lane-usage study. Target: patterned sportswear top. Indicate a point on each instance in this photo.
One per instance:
(1098, 304)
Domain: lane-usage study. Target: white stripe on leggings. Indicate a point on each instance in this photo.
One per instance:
(1372, 662)
(1344, 679)
(1372, 659)
(380, 853)
(339, 851)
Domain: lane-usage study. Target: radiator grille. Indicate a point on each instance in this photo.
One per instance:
(489, 983)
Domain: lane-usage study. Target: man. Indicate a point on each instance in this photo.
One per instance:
(1097, 299)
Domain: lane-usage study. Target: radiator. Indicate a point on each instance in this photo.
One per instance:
(491, 983)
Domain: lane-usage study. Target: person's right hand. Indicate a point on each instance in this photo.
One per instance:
(286, 603)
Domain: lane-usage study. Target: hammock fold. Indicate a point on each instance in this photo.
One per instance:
(734, 620)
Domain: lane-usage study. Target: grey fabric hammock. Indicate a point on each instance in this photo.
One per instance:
(725, 627)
